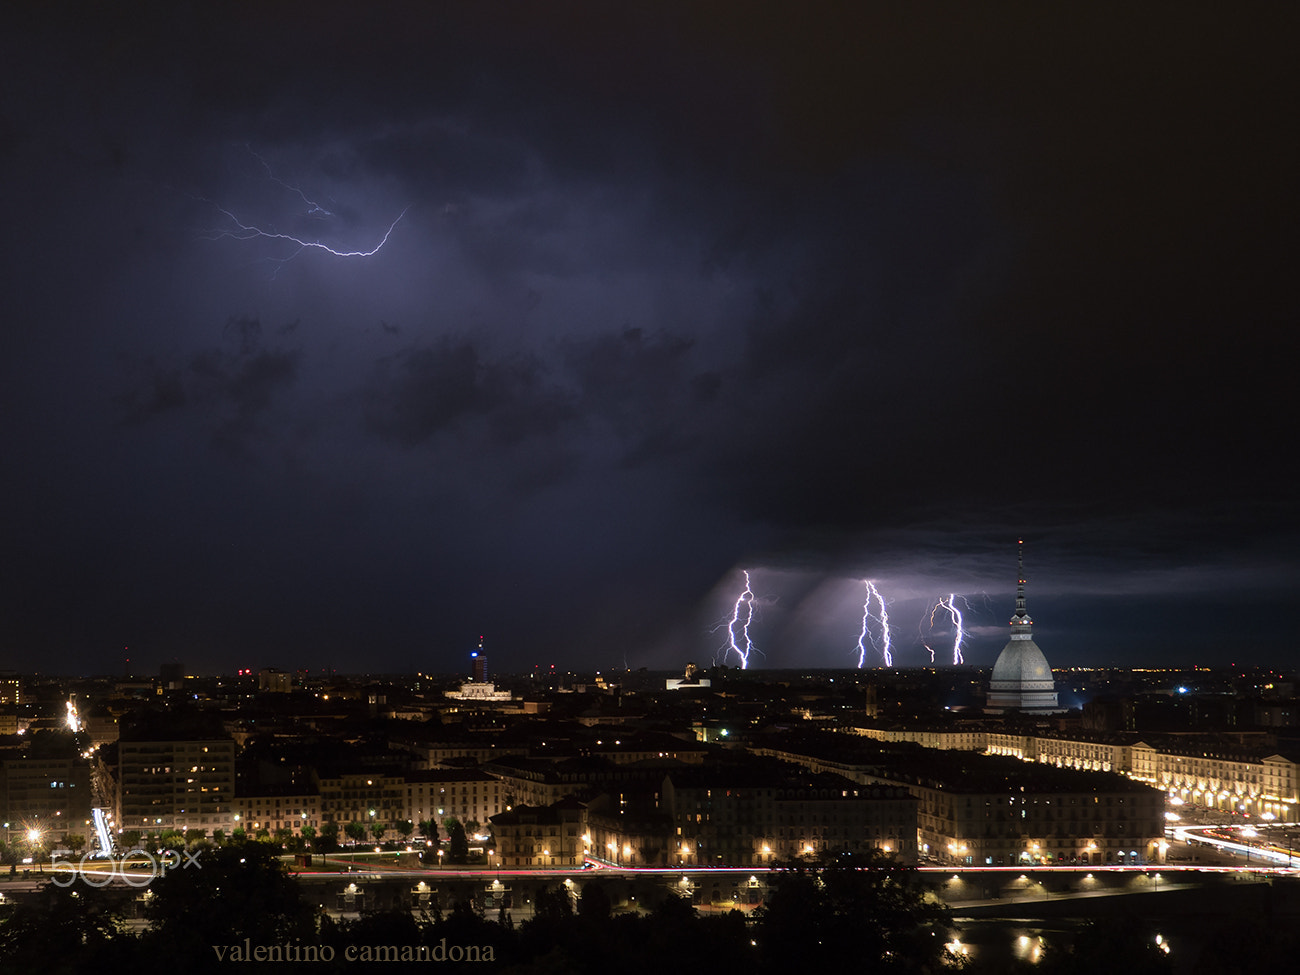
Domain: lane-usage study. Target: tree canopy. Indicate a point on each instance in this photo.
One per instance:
(836, 911)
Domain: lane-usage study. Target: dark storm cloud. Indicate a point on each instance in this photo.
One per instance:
(421, 392)
(680, 290)
(645, 390)
(161, 390)
(230, 389)
(624, 399)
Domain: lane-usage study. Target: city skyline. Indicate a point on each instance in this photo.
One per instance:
(551, 324)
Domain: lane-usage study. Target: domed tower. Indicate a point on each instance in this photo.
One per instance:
(1022, 677)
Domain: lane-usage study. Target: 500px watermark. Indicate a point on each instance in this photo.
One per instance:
(137, 868)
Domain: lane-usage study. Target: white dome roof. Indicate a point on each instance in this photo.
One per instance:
(1022, 666)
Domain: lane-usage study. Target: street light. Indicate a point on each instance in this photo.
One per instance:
(1249, 833)
(34, 836)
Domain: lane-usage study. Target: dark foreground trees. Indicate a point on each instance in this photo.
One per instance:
(65, 929)
(841, 912)
(226, 895)
(828, 915)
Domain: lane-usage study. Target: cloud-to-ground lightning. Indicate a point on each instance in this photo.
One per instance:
(882, 618)
(959, 636)
(742, 615)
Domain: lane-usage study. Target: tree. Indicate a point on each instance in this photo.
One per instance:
(328, 841)
(429, 829)
(74, 842)
(232, 893)
(457, 844)
(593, 902)
(39, 850)
(356, 832)
(841, 911)
(308, 833)
(553, 904)
(378, 830)
(74, 929)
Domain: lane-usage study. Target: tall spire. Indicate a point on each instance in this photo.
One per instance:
(1022, 677)
(1021, 618)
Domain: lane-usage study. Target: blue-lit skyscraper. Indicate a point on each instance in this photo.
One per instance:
(478, 663)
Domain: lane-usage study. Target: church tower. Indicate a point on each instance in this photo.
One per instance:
(1022, 678)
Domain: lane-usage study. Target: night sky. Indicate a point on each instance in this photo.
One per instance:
(674, 293)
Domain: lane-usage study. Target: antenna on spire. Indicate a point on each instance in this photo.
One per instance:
(1022, 616)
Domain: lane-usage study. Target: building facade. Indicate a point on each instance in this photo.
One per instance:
(49, 795)
(989, 811)
(273, 810)
(365, 797)
(768, 819)
(465, 794)
(542, 837)
(167, 784)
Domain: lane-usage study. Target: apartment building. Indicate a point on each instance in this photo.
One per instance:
(996, 811)
(1200, 770)
(175, 784)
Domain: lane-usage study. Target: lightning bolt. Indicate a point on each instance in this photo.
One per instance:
(313, 208)
(931, 649)
(744, 609)
(882, 618)
(950, 604)
(248, 231)
(237, 227)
